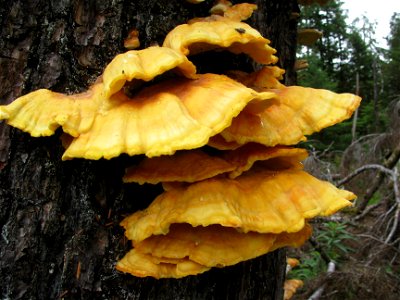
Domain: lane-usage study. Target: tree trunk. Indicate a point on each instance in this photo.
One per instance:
(60, 233)
(355, 117)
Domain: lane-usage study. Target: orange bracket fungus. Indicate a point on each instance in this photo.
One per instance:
(194, 1)
(220, 7)
(222, 33)
(297, 112)
(190, 251)
(245, 194)
(237, 12)
(266, 78)
(308, 36)
(301, 64)
(139, 65)
(290, 287)
(195, 165)
(280, 201)
(223, 10)
(178, 113)
(132, 41)
(184, 166)
(254, 208)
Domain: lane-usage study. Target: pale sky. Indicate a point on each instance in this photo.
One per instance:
(380, 11)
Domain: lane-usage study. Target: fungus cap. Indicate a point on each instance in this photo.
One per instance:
(301, 64)
(144, 65)
(260, 201)
(237, 37)
(297, 112)
(184, 166)
(41, 112)
(196, 165)
(195, 1)
(173, 115)
(176, 114)
(239, 12)
(292, 262)
(224, 10)
(290, 287)
(308, 36)
(220, 6)
(218, 142)
(132, 41)
(267, 77)
(275, 158)
(145, 265)
(188, 250)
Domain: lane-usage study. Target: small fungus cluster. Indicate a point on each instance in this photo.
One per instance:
(245, 198)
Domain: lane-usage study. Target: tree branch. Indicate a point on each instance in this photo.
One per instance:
(397, 213)
(394, 176)
(318, 293)
(362, 169)
(389, 164)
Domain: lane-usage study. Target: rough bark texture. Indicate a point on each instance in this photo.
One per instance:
(60, 236)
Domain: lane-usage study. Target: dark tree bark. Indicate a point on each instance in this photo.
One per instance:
(60, 236)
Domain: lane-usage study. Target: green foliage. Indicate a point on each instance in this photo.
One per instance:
(376, 198)
(360, 60)
(315, 76)
(343, 53)
(392, 270)
(310, 266)
(331, 20)
(339, 136)
(343, 50)
(332, 237)
(392, 74)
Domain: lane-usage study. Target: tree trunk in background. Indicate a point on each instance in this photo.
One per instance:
(60, 236)
(376, 107)
(355, 117)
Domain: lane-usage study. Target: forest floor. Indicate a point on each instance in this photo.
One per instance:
(366, 268)
(366, 263)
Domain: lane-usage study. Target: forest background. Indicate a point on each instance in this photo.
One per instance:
(362, 154)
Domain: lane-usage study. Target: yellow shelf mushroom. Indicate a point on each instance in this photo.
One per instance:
(188, 250)
(266, 78)
(237, 12)
(184, 166)
(308, 36)
(260, 200)
(297, 112)
(196, 165)
(144, 65)
(175, 114)
(172, 115)
(219, 222)
(247, 201)
(234, 205)
(221, 34)
(290, 287)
